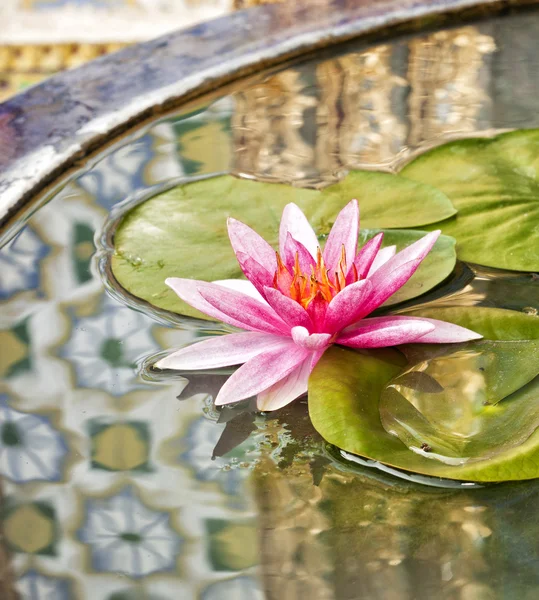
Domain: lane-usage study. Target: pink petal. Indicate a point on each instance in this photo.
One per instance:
(246, 240)
(381, 258)
(290, 311)
(366, 256)
(258, 275)
(287, 389)
(260, 373)
(317, 311)
(253, 315)
(346, 306)
(397, 271)
(444, 333)
(315, 357)
(187, 290)
(293, 247)
(253, 318)
(222, 351)
(414, 252)
(380, 332)
(386, 288)
(240, 285)
(343, 233)
(310, 341)
(295, 222)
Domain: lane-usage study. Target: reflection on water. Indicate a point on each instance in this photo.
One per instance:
(475, 285)
(113, 488)
(465, 403)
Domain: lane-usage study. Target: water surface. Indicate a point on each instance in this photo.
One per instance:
(113, 488)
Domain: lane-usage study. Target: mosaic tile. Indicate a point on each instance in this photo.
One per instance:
(126, 536)
(31, 449)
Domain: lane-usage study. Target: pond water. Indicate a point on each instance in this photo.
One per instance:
(120, 484)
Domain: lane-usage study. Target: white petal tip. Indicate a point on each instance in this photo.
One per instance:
(261, 406)
(266, 404)
(162, 364)
(173, 363)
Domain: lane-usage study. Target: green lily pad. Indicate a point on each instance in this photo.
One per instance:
(491, 323)
(346, 387)
(437, 266)
(182, 233)
(388, 201)
(494, 185)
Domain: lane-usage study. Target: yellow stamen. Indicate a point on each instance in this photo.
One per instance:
(303, 287)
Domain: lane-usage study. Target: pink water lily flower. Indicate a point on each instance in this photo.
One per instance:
(299, 301)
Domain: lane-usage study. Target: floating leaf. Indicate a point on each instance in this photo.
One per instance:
(388, 201)
(494, 185)
(182, 233)
(491, 323)
(345, 389)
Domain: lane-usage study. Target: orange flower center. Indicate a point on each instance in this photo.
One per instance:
(304, 287)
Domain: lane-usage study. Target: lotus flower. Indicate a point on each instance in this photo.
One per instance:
(299, 301)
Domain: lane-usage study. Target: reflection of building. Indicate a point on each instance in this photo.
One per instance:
(307, 124)
(268, 128)
(357, 115)
(355, 537)
(450, 76)
(295, 563)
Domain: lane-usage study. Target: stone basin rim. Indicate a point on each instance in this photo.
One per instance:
(49, 129)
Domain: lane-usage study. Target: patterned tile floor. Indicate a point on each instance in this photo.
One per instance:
(41, 37)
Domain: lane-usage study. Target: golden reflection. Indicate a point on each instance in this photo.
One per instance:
(266, 128)
(334, 534)
(295, 562)
(356, 537)
(357, 123)
(307, 124)
(449, 76)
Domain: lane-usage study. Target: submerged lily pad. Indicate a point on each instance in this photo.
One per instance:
(387, 201)
(346, 387)
(182, 233)
(494, 185)
(483, 405)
